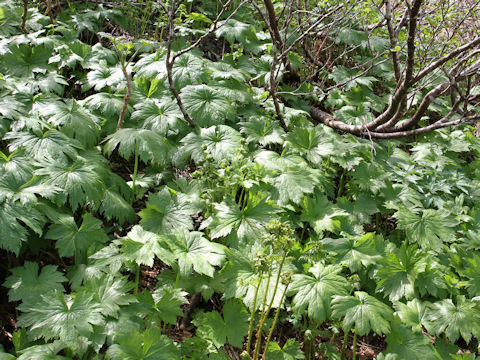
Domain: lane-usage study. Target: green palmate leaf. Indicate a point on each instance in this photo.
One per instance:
(432, 280)
(355, 252)
(52, 82)
(309, 142)
(293, 183)
(60, 316)
(150, 344)
(406, 344)
(75, 121)
(361, 209)
(24, 60)
(16, 163)
(223, 71)
(321, 214)
(472, 272)
(162, 116)
(168, 302)
(71, 238)
(166, 212)
(147, 89)
(238, 92)
(398, 271)
(150, 65)
(146, 143)
(455, 320)
(248, 222)
(81, 180)
(27, 284)
(108, 105)
(51, 144)
(290, 351)
(104, 75)
(16, 189)
(242, 278)
(274, 161)
(412, 313)
(232, 328)
(42, 352)
(107, 260)
(220, 141)
(84, 21)
(207, 105)
(13, 233)
(187, 70)
(193, 251)
(142, 246)
(234, 30)
(315, 292)
(262, 130)
(11, 108)
(110, 293)
(114, 206)
(68, 55)
(362, 313)
(429, 228)
(351, 36)
(446, 350)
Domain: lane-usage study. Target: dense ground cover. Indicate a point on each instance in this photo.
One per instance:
(242, 235)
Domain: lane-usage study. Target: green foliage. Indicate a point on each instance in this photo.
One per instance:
(398, 272)
(362, 313)
(72, 239)
(166, 212)
(166, 303)
(59, 316)
(429, 228)
(141, 246)
(408, 345)
(146, 143)
(207, 105)
(314, 293)
(162, 240)
(150, 344)
(27, 284)
(193, 251)
(290, 351)
(460, 319)
(217, 330)
(241, 223)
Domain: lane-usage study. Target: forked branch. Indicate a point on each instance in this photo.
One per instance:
(393, 122)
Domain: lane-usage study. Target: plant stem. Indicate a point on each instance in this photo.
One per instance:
(344, 345)
(265, 314)
(177, 279)
(303, 232)
(341, 184)
(240, 199)
(275, 319)
(137, 279)
(262, 312)
(126, 98)
(134, 176)
(252, 314)
(354, 346)
(332, 338)
(245, 198)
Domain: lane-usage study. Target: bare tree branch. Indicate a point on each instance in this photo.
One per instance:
(24, 16)
(169, 63)
(126, 98)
